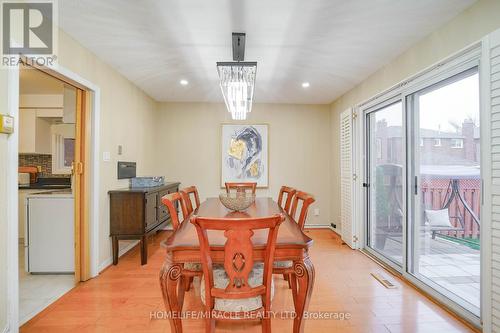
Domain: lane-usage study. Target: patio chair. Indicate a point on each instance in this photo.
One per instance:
(440, 220)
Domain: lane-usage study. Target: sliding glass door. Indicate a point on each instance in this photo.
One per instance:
(444, 247)
(423, 186)
(385, 155)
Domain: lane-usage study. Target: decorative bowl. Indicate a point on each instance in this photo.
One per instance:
(237, 201)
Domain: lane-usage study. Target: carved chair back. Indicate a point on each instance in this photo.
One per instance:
(238, 256)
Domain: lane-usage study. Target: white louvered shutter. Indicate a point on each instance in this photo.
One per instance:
(346, 179)
(494, 86)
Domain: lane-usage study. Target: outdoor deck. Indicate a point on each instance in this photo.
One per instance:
(453, 266)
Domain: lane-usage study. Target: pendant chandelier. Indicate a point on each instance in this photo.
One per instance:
(237, 80)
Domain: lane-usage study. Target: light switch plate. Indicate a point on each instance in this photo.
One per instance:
(6, 124)
(106, 156)
(316, 211)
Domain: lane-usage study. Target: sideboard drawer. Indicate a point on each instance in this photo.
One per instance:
(151, 205)
(162, 209)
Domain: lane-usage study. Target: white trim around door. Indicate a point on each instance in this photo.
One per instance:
(12, 158)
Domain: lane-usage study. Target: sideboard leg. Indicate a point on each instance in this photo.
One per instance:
(144, 250)
(115, 249)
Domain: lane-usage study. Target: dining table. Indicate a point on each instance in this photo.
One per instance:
(182, 247)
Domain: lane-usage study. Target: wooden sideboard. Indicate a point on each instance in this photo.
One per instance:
(136, 213)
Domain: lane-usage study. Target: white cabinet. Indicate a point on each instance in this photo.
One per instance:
(49, 113)
(34, 130)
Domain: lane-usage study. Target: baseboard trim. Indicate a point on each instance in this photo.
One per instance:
(319, 226)
(106, 263)
(336, 232)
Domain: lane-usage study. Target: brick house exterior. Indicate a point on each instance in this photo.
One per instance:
(437, 147)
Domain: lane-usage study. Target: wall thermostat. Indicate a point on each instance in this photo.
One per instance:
(6, 124)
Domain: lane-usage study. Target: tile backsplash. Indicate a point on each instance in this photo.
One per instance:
(42, 160)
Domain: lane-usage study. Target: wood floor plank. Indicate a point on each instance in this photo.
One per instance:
(127, 297)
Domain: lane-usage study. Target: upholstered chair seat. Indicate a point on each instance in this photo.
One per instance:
(283, 264)
(221, 280)
(193, 266)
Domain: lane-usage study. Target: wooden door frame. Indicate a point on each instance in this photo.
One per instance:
(82, 136)
(92, 108)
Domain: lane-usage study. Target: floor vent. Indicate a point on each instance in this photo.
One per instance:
(385, 281)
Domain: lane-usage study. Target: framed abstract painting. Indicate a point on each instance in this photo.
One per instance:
(245, 154)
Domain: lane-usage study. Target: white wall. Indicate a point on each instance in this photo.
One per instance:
(127, 118)
(188, 147)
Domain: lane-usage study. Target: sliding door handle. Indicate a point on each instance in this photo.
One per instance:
(366, 185)
(416, 185)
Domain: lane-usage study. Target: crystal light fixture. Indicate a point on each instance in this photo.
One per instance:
(237, 82)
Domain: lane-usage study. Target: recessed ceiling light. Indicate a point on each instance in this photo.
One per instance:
(184, 82)
(305, 85)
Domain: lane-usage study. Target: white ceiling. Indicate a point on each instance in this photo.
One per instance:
(333, 44)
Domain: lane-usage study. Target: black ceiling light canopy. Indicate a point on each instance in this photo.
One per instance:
(237, 79)
(239, 46)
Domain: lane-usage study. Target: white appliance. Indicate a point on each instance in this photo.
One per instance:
(50, 236)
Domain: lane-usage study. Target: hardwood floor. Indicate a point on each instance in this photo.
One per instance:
(124, 297)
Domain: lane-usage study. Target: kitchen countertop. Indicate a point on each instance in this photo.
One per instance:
(52, 194)
(44, 187)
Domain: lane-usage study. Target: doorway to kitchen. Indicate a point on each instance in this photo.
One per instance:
(53, 231)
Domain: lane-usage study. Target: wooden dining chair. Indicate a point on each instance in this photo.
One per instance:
(290, 193)
(286, 267)
(307, 200)
(240, 287)
(187, 193)
(172, 200)
(241, 187)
